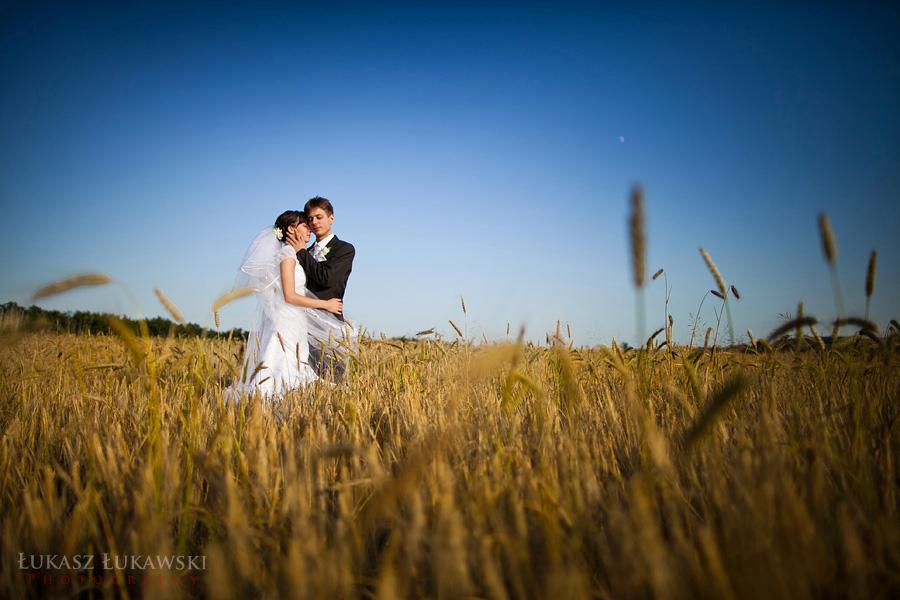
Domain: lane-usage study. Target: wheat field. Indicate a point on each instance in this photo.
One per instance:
(455, 470)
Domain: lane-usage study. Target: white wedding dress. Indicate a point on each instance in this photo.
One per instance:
(276, 359)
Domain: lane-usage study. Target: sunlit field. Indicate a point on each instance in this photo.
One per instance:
(456, 470)
(446, 468)
(598, 284)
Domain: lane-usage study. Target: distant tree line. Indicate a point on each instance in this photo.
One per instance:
(35, 318)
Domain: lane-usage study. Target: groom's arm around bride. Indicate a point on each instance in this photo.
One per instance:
(327, 265)
(327, 278)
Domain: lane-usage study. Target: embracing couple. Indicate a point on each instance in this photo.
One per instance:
(299, 333)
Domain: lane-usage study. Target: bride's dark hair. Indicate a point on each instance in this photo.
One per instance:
(288, 218)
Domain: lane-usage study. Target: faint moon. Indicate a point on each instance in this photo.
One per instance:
(621, 139)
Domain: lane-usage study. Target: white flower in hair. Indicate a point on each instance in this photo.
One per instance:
(278, 233)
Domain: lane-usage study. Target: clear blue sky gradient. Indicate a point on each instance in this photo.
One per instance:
(468, 149)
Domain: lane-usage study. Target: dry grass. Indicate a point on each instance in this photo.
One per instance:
(452, 470)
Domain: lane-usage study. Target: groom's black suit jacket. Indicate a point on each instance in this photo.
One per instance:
(328, 279)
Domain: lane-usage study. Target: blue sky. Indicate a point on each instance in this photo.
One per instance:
(468, 149)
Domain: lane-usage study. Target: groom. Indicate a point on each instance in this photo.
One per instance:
(328, 262)
(327, 265)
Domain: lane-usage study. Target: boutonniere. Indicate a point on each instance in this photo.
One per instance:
(326, 250)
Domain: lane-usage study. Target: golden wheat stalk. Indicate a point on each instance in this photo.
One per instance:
(58, 287)
(463, 302)
(653, 335)
(818, 338)
(792, 324)
(714, 270)
(863, 324)
(713, 411)
(228, 364)
(870, 279)
(226, 298)
(456, 329)
(735, 293)
(723, 290)
(798, 336)
(259, 367)
(571, 395)
(638, 240)
(829, 247)
(132, 343)
(872, 336)
(103, 366)
(170, 306)
(870, 274)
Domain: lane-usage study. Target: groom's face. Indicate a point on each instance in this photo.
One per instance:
(320, 222)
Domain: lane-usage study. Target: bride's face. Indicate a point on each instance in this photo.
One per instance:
(301, 230)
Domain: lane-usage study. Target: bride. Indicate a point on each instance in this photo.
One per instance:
(276, 359)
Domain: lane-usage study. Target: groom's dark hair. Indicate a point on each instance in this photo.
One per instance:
(319, 202)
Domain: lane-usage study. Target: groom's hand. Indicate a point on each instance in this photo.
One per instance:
(294, 241)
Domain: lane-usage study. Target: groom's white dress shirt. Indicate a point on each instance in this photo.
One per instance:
(319, 247)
